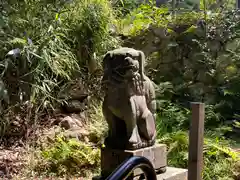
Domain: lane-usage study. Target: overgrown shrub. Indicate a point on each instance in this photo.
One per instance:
(196, 53)
(171, 118)
(190, 57)
(219, 159)
(97, 125)
(54, 39)
(124, 7)
(69, 157)
(54, 42)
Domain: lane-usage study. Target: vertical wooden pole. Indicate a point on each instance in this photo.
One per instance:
(238, 4)
(196, 136)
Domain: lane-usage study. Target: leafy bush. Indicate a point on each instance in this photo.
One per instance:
(171, 118)
(177, 143)
(55, 39)
(124, 7)
(196, 53)
(55, 43)
(98, 126)
(219, 160)
(191, 57)
(69, 157)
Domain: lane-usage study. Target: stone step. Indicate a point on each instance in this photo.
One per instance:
(171, 174)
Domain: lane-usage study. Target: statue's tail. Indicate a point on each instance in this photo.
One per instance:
(147, 126)
(141, 64)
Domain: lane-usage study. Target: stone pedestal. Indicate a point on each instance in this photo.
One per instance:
(112, 158)
(170, 174)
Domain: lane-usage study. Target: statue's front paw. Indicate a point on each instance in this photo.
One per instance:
(151, 142)
(147, 143)
(134, 146)
(134, 143)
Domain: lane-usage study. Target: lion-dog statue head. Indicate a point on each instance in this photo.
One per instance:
(129, 104)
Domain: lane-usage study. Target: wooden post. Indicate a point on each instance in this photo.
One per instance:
(238, 4)
(196, 136)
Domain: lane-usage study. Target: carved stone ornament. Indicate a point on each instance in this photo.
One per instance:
(129, 105)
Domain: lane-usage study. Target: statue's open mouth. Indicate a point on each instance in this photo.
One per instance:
(128, 70)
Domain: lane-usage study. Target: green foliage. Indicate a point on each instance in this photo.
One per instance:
(139, 19)
(124, 7)
(55, 39)
(98, 126)
(212, 117)
(219, 160)
(177, 143)
(68, 157)
(171, 118)
(191, 57)
(217, 5)
(196, 53)
(57, 42)
(89, 24)
(149, 15)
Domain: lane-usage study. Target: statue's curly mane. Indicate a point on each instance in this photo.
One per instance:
(133, 86)
(117, 64)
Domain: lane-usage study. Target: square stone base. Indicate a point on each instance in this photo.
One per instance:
(170, 174)
(174, 174)
(112, 158)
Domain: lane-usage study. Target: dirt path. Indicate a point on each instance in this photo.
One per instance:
(11, 162)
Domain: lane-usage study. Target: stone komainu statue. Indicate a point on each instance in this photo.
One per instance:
(129, 105)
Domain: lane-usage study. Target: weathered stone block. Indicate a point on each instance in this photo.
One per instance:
(171, 174)
(174, 174)
(112, 158)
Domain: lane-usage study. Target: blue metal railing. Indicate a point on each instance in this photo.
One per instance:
(128, 166)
